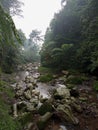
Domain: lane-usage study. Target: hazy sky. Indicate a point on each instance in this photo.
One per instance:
(37, 15)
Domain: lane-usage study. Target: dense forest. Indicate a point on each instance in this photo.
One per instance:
(15, 48)
(71, 40)
(54, 85)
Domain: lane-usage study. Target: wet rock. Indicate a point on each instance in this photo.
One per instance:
(43, 120)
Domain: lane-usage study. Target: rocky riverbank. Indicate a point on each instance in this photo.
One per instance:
(56, 105)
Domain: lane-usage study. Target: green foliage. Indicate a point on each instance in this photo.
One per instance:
(9, 42)
(95, 85)
(73, 33)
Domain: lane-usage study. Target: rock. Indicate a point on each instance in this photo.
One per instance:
(74, 92)
(30, 86)
(36, 75)
(35, 102)
(15, 110)
(43, 120)
(30, 107)
(61, 86)
(42, 100)
(19, 93)
(19, 86)
(35, 93)
(27, 94)
(83, 99)
(32, 80)
(65, 72)
(62, 92)
(66, 113)
(76, 107)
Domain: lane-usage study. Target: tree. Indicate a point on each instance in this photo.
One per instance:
(76, 25)
(8, 46)
(31, 47)
(12, 6)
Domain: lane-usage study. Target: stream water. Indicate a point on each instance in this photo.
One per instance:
(43, 88)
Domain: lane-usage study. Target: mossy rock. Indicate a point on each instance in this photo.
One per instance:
(45, 107)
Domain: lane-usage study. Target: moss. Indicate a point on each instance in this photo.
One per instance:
(95, 85)
(46, 107)
(46, 78)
